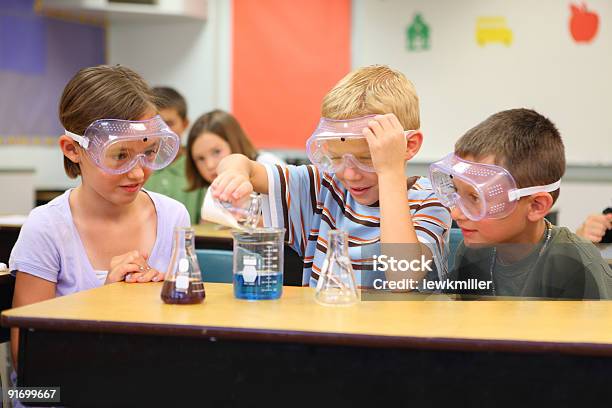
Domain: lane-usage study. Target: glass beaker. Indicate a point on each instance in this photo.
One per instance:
(246, 212)
(336, 284)
(183, 281)
(258, 263)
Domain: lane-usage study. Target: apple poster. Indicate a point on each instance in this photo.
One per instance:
(583, 23)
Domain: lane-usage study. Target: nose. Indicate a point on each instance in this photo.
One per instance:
(457, 214)
(211, 164)
(136, 172)
(350, 173)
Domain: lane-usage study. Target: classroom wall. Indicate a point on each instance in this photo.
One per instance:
(461, 82)
(35, 64)
(193, 56)
(581, 198)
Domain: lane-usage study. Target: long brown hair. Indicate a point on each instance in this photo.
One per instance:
(102, 92)
(224, 125)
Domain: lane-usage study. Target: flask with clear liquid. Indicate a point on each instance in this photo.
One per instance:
(183, 281)
(247, 211)
(336, 284)
(244, 213)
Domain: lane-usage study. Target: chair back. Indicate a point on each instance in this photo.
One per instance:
(215, 265)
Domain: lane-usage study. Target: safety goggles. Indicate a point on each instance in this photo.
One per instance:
(479, 190)
(336, 144)
(115, 145)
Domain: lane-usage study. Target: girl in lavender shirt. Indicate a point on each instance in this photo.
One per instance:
(107, 229)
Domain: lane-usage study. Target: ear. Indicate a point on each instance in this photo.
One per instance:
(70, 148)
(413, 144)
(539, 206)
(186, 123)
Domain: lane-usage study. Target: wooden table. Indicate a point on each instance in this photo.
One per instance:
(213, 236)
(120, 343)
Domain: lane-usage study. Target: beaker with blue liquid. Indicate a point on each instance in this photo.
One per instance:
(258, 263)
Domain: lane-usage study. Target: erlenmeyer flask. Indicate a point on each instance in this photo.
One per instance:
(336, 284)
(183, 281)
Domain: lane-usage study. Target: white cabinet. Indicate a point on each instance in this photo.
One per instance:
(17, 191)
(129, 9)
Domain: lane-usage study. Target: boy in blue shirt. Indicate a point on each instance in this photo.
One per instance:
(368, 131)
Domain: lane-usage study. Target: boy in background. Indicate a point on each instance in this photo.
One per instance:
(172, 180)
(500, 182)
(367, 133)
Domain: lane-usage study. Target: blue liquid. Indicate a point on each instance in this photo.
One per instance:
(265, 287)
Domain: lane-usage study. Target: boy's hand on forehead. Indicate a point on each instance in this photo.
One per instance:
(231, 185)
(387, 143)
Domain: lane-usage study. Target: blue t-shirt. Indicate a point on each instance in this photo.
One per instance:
(308, 203)
(49, 245)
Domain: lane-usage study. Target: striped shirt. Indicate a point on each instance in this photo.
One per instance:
(309, 203)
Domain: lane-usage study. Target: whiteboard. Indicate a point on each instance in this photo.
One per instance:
(461, 83)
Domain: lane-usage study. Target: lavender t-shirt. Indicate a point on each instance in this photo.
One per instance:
(49, 245)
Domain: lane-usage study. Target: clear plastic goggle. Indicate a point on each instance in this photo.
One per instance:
(336, 144)
(116, 145)
(479, 190)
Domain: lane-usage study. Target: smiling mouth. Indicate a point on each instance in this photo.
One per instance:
(358, 190)
(131, 187)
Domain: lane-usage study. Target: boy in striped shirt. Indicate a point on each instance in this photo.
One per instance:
(359, 186)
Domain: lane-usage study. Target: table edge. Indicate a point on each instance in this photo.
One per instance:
(214, 333)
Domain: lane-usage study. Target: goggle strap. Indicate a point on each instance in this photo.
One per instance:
(514, 195)
(83, 141)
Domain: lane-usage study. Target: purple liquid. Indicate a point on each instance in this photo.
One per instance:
(194, 294)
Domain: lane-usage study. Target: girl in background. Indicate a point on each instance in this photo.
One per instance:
(212, 137)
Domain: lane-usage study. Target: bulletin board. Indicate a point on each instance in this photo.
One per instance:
(38, 56)
(471, 58)
(286, 56)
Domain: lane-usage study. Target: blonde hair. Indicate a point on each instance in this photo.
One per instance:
(102, 92)
(376, 89)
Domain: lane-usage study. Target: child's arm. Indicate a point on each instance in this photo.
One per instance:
(237, 177)
(595, 226)
(28, 289)
(390, 149)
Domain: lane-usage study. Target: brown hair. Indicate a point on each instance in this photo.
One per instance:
(170, 98)
(522, 141)
(224, 125)
(102, 92)
(375, 89)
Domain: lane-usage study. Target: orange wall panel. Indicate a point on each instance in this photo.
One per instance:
(286, 55)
